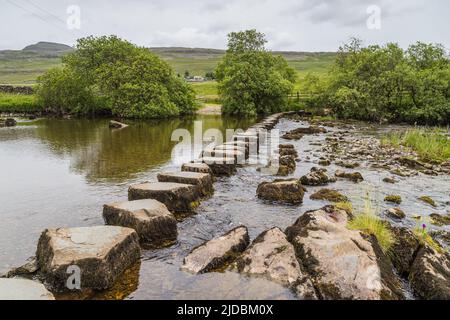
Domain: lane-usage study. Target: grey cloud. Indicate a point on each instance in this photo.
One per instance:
(309, 25)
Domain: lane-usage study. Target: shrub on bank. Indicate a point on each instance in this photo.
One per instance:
(386, 83)
(108, 74)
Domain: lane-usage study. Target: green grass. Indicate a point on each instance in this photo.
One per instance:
(23, 67)
(426, 239)
(369, 223)
(429, 144)
(18, 103)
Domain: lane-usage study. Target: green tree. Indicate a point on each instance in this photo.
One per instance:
(251, 80)
(379, 83)
(113, 74)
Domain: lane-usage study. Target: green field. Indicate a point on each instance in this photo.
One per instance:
(22, 67)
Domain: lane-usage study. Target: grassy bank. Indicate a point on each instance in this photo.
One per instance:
(430, 144)
(19, 103)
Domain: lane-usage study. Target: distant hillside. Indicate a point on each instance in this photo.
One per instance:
(24, 66)
(48, 48)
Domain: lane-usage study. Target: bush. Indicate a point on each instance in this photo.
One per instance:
(387, 83)
(107, 74)
(251, 80)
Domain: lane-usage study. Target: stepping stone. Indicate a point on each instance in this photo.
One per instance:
(231, 155)
(150, 218)
(217, 252)
(196, 167)
(285, 191)
(178, 197)
(101, 253)
(220, 166)
(202, 180)
(23, 289)
(233, 148)
(244, 145)
(250, 138)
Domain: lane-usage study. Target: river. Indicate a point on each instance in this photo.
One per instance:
(59, 173)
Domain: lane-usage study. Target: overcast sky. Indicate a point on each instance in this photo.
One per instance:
(298, 25)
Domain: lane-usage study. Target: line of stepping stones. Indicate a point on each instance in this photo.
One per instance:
(148, 218)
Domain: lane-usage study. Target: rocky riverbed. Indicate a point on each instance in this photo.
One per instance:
(302, 249)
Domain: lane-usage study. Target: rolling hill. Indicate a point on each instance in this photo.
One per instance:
(24, 66)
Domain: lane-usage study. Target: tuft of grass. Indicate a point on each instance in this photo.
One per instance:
(425, 239)
(369, 223)
(19, 103)
(430, 144)
(346, 206)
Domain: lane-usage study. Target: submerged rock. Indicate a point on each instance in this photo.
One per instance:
(341, 263)
(178, 197)
(202, 180)
(273, 257)
(23, 289)
(317, 177)
(389, 180)
(396, 213)
(348, 165)
(117, 125)
(8, 122)
(216, 253)
(393, 198)
(330, 195)
(298, 133)
(101, 253)
(288, 191)
(352, 176)
(325, 162)
(410, 163)
(430, 274)
(440, 220)
(428, 200)
(150, 218)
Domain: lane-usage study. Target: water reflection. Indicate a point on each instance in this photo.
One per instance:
(116, 155)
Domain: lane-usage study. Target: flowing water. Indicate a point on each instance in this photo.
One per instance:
(59, 173)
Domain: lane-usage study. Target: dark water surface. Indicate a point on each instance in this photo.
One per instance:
(59, 173)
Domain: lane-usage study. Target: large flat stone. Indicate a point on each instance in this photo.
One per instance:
(217, 252)
(196, 167)
(150, 218)
(230, 155)
(220, 166)
(102, 253)
(178, 197)
(273, 257)
(233, 148)
(202, 180)
(23, 289)
(341, 262)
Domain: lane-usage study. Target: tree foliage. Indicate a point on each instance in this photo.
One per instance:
(108, 73)
(388, 83)
(251, 80)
